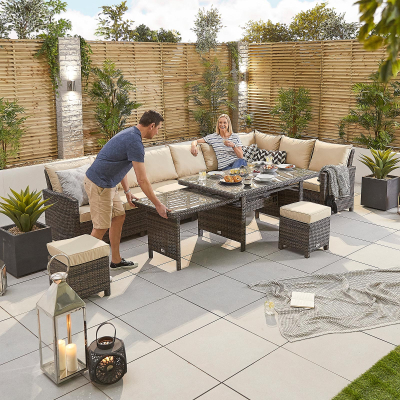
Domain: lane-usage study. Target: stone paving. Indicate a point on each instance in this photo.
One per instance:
(201, 333)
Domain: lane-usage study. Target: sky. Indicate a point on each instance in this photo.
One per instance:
(180, 14)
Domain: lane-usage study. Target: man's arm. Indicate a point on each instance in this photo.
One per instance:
(145, 185)
(129, 195)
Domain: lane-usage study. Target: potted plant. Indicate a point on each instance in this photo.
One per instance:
(248, 122)
(294, 111)
(23, 244)
(380, 190)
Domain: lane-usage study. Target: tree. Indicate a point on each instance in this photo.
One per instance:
(211, 96)
(294, 110)
(143, 33)
(206, 27)
(111, 24)
(4, 27)
(322, 23)
(377, 105)
(110, 91)
(10, 129)
(385, 33)
(170, 36)
(262, 32)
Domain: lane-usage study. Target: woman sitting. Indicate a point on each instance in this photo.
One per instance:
(227, 145)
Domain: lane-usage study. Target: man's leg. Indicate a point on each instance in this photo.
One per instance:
(115, 237)
(98, 233)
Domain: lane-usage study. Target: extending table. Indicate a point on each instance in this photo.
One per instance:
(229, 219)
(164, 233)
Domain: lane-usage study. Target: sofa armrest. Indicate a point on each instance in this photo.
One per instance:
(63, 216)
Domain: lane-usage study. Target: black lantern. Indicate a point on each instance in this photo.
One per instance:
(107, 358)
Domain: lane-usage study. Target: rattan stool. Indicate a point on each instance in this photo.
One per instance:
(89, 264)
(304, 226)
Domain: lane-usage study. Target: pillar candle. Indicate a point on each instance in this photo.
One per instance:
(61, 355)
(72, 359)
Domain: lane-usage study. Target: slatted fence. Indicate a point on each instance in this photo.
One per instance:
(328, 69)
(26, 78)
(160, 72)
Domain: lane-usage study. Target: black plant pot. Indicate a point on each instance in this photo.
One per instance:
(26, 253)
(381, 194)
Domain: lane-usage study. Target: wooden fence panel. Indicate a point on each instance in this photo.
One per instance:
(26, 78)
(160, 72)
(327, 68)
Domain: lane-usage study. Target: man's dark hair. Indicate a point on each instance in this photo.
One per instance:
(150, 117)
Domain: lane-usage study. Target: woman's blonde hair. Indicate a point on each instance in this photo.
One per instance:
(230, 130)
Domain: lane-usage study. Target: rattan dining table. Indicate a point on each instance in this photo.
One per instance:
(229, 219)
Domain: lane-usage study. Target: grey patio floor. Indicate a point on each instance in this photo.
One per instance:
(201, 333)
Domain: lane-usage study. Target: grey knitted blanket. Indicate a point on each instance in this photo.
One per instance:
(339, 180)
(344, 302)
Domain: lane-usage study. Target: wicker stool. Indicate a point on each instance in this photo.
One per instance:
(89, 270)
(304, 226)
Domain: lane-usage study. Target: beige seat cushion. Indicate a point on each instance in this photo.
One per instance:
(304, 211)
(80, 249)
(84, 213)
(185, 163)
(52, 168)
(312, 184)
(159, 165)
(247, 138)
(298, 152)
(267, 142)
(209, 157)
(329, 154)
(137, 191)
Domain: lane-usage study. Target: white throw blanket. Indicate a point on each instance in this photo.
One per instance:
(344, 302)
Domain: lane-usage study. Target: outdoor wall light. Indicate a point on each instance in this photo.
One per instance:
(71, 86)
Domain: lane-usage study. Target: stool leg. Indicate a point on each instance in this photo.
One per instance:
(107, 292)
(150, 253)
(257, 214)
(280, 246)
(200, 232)
(326, 247)
(307, 254)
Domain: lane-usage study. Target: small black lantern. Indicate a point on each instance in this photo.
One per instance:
(107, 358)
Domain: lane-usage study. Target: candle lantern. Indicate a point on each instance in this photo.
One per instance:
(107, 358)
(62, 329)
(3, 278)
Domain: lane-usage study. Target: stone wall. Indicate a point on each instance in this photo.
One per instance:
(243, 83)
(69, 102)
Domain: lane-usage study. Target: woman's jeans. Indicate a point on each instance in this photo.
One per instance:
(240, 162)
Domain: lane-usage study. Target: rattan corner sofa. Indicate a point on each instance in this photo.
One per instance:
(166, 164)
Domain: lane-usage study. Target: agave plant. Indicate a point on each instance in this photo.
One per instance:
(383, 163)
(24, 208)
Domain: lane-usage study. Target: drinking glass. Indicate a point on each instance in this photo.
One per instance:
(268, 160)
(202, 175)
(269, 307)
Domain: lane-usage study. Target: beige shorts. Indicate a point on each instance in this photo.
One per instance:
(105, 204)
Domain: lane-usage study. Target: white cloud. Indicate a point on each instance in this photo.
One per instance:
(180, 15)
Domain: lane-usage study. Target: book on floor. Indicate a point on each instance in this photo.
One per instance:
(302, 299)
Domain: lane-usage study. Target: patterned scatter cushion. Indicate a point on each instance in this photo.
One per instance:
(72, 183)
(252, 154)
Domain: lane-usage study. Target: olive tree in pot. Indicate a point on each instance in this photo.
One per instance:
(380, 190)
(23, 243)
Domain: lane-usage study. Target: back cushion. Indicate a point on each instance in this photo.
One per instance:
(267, 142)
(159, 165)
(298, 152)
(247, 138)
(209, 157)
(185, 163)
(52, 168)
(329, 154)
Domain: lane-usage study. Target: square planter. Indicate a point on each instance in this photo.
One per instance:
(26, 253)
(381, 194)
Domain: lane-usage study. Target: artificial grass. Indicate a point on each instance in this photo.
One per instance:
(380, 382)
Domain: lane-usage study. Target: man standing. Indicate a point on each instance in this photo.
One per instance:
(110, 167)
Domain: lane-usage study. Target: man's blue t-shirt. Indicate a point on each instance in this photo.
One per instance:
(115, 158)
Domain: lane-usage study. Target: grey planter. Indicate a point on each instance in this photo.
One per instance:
(27, 253)
(381, 194)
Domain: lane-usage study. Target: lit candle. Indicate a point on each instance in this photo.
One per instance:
(61, 355)
(72, 359)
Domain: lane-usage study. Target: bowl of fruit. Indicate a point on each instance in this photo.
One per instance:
(269, 169)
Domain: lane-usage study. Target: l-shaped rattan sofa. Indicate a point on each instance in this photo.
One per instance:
(166, 164)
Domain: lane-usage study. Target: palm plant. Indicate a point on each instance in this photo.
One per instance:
(211, 96)
(24, 208)
(110, 91)
(294, 110)
(383, 163)
(377, 105)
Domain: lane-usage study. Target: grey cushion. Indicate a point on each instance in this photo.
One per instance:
(71, 181)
